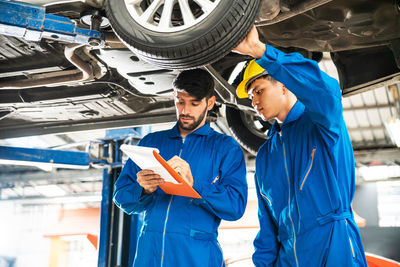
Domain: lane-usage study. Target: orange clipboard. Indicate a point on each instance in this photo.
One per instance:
(181, 189)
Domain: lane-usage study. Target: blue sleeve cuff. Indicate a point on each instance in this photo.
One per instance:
(201, 190)
(141, 197)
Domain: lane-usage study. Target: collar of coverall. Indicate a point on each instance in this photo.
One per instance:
(203, 130)
(293, 115)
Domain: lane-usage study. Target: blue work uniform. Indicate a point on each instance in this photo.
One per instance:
(180, 231)
(305, 174)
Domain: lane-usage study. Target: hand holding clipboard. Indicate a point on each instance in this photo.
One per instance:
(148, 158)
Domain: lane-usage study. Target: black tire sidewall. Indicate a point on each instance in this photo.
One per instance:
(140, 35)
(248, 140)
(196, 46)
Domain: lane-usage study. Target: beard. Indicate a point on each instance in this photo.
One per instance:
(194, 124)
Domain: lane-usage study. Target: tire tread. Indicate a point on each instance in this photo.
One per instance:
(219, 41)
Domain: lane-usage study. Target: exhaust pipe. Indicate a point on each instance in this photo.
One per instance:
(84, 72)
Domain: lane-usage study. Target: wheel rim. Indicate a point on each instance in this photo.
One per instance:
(170, 15)
(255, 125)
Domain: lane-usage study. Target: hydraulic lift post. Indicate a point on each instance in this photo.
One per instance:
(119, 232)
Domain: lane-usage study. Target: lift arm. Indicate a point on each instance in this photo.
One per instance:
(32, 23)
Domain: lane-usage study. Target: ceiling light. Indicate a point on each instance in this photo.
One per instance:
(50, 190)
(43, 165)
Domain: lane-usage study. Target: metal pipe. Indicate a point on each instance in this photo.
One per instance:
(5, 113)
(84, 72)
(226, 91)
(120, 238)
(301, 8)
(98, 69)
(34, 81)
(83, 66)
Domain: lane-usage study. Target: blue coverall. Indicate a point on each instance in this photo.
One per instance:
(305, 174)
(180, 231)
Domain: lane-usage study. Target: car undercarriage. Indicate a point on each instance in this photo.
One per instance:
(54, 85)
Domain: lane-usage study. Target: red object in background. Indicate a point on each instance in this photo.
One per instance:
(84, 222)
(93, 239)
(378, 261)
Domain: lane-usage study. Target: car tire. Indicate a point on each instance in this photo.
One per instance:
(244, 130)
(206, 41)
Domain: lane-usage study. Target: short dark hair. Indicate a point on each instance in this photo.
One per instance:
(196, 82)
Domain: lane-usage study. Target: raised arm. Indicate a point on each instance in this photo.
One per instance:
(319, 92)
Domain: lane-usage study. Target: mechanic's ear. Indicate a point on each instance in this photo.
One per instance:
(210, 103)
(284, 89)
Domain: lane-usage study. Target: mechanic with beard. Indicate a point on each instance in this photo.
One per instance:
(180, 231)
(305, 172)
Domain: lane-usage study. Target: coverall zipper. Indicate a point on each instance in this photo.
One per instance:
(166, 217)
(290, 216)
(165, 228)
